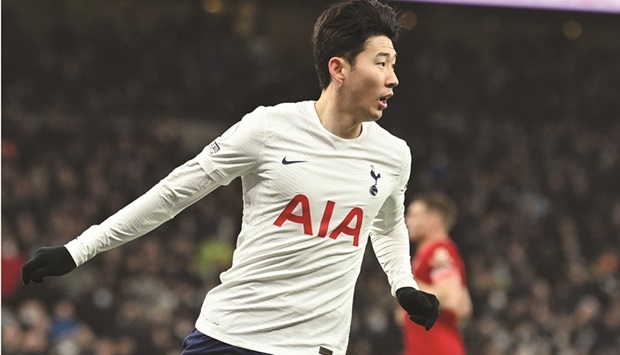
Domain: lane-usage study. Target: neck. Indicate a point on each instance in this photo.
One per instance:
(334, 117)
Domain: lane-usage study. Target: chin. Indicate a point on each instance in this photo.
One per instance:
(371, 115)
(375, 116)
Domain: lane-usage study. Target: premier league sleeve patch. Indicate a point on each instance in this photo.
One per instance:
(213, 148)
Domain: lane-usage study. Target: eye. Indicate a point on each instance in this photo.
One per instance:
(383, 64)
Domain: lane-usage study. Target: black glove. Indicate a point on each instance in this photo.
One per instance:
(47, 261)
(422, 307)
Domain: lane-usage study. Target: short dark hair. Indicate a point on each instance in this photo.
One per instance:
(343, 29)
(441, 203)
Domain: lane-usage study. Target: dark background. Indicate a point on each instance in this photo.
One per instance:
(514, 112)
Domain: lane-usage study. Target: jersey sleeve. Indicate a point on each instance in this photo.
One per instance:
(237, 151)
(181, 188)
(234, 153)
(389, 236)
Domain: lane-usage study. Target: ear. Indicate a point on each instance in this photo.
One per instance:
(338, 68)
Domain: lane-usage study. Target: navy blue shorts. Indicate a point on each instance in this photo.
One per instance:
(201, 344)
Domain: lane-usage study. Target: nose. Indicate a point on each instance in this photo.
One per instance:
(392, 80)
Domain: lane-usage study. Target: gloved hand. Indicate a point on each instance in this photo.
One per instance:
(422, 307)
(47, 261)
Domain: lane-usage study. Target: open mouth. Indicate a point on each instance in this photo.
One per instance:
(383, 100)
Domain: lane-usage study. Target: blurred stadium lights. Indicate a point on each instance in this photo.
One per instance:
(244, 12)
(409, 19)
(609, 6)
(213, 6)
(571, 29)
(247, 11)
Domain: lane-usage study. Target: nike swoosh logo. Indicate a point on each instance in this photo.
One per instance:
(286, 162)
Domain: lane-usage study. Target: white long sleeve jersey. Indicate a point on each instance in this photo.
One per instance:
(311, 201)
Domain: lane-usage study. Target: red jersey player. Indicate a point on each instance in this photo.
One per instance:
(438, 269)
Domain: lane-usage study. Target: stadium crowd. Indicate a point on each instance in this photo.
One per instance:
(525, 135)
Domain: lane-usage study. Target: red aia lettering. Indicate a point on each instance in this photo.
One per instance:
(327, 216)
(344, 228)
(305, 213)
(305, 219)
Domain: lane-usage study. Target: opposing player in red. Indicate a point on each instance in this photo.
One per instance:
(438, 269)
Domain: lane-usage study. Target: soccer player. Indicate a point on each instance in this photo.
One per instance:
(319, 179)
(438, 269)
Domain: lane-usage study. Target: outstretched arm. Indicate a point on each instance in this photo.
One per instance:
(234, 153)
(181, 188)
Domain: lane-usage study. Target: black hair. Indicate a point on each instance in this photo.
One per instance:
(344, 28)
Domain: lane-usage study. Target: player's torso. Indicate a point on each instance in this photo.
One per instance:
(319, 185)
(308, 206)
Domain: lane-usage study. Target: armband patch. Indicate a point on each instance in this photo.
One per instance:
(441, 258)
(213, 148)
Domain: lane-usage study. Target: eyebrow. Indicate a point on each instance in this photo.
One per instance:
(386, 54)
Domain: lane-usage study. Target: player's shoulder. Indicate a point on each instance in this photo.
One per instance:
(270, 120)
(390, 143)
(279, 112)
(381, 133)
(446, 245)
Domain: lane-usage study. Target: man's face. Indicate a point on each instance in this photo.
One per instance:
(369, 83)
(417, 219)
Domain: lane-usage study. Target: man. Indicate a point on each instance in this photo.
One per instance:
(438, 269)
(318, 178)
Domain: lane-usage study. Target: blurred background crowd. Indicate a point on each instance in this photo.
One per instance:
(514, 113)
